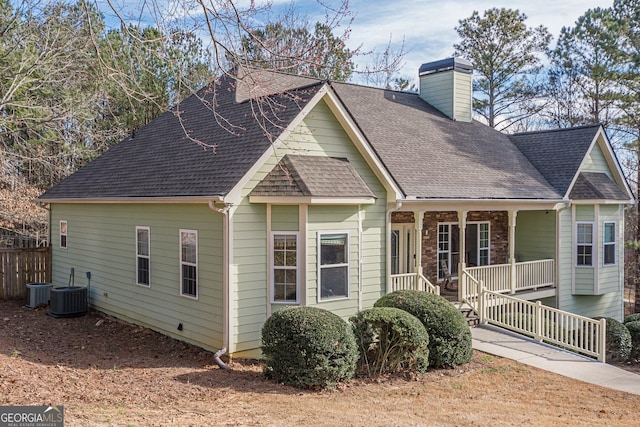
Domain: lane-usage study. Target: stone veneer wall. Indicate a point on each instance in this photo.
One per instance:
(499, 230)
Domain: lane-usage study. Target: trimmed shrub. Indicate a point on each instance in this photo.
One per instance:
(632, 318)
(634, 331)
(618, 341)
(390, 340)
(308, 347)
(449, 333)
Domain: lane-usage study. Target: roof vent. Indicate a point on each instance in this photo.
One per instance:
(447, 85)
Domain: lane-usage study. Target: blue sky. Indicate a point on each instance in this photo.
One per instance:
(426, 26)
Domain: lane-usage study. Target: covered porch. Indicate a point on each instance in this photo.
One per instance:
(511, 251)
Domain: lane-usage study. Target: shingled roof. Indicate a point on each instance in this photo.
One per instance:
(428, 155)
(162, 160)
(594, 186)
(432, 156)
(557, 153)
(315, 176)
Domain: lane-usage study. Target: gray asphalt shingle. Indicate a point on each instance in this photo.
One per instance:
(162, 160)
(596, 185)
(557, 153)
(315, 176)
(432, 156)
(428, 155)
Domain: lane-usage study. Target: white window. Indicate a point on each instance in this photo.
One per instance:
(189, 263)
(63, 234)
(477, 244)
(284, 269)
(333, 265)
(609, 242)
(584, 244)
(143, 260)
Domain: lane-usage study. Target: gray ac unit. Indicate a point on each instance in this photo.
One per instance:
(37, 294)
(69, 301)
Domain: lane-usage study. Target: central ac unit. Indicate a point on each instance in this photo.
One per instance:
(69, 301)
(37, 294)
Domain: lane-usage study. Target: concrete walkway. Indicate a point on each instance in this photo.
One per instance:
(500, 342)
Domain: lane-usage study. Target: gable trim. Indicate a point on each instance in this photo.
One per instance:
(234, 196)
(612, 163)
(362, 144)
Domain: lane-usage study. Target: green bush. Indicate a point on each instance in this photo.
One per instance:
(390, 340)
(634, 331)
(618, 341)
(632, 318)
(449, 333)
(308, 347)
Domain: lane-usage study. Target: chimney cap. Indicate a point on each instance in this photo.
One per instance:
(457, 64)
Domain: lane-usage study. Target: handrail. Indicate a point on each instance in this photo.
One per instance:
(413, 281)
(571, 331)
(470, 287)
(517, 276)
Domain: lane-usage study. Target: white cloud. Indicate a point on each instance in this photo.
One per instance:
(428, 26)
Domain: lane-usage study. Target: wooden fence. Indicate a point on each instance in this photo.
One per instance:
(21, 266)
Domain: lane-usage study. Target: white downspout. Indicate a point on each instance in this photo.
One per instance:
(360, 261)
(226, 275)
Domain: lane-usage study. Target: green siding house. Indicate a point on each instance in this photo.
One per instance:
(203, 223)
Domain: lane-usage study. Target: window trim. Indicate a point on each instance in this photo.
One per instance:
(449, 225)
(148, 257)
(272, 267)
(182, 263)
(613, 243)
(578, 244)
(64, 234)
(320, 267)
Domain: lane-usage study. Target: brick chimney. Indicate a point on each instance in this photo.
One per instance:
(446, 84)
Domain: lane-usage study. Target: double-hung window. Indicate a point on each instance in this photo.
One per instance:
(609, 243)
(284, 271)
(584, 244)
(333, 265)
(63, 234)
(189, 263)
(143, 260)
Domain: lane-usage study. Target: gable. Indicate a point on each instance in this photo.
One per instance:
(595, 162)
(600, 176)
(319, 133)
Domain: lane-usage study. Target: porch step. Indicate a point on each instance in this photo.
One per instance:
(472, 318)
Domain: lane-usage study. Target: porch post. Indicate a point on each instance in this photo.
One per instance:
(462, 226)
(512, 250)
(418, 221)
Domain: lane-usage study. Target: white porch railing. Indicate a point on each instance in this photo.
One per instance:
(519, 276)
(571, 331)
(413, 281)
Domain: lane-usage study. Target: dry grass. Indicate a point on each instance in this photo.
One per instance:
(107, 373)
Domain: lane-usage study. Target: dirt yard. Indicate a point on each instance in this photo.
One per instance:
(108, 373)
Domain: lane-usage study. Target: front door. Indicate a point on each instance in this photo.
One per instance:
(402, 248)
